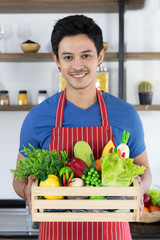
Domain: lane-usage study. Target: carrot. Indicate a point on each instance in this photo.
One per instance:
(119, 152)
(98, 164)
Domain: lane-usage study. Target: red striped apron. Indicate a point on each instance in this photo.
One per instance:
(64, 138)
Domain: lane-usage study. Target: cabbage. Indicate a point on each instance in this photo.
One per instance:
(118, 171)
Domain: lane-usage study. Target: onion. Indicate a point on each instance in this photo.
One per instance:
(76, 182)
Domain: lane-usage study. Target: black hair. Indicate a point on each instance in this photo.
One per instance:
(74, 25)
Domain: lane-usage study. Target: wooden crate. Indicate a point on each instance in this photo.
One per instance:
(128, 208)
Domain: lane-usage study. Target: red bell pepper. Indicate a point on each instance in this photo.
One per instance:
(76, 164)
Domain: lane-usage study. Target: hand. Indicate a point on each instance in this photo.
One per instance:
(31, 179)
(139, 180)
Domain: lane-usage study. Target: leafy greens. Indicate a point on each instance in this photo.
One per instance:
(38, 162)
(155, 196)
(118, 171)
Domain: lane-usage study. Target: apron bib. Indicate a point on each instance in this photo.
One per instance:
(64, 138)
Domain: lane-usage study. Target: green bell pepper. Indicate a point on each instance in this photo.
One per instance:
(97, 197)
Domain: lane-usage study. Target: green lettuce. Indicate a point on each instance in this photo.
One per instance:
(155, 196)
(118, 171)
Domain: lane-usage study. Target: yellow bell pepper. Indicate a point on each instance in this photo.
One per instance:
(51, 181)
(107, 147)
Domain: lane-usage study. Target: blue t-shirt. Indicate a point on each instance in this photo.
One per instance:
(38, 124)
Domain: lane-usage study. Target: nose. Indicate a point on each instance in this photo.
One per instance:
(77, 63)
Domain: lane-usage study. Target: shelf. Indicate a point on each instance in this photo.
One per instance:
(47, 57)
(63, 6)
(29, 107)
(147, 107)
(142, 55)
(26, 57)
(41, 57)
(16, 108)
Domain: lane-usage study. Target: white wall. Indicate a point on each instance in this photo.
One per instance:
(142, 33)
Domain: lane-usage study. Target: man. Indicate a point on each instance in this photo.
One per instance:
(81, 113)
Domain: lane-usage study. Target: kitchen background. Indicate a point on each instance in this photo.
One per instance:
(142, 34)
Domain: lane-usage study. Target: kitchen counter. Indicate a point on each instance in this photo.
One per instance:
(16, 222)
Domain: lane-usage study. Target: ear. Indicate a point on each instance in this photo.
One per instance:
(101, 57)
(56, 59)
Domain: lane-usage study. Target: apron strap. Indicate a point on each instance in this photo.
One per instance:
(60, 109)
(61, 103)
(103, 109)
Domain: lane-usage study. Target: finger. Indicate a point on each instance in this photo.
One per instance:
(28, 192)
(141, 210)
(138, 178)
(141, 206)
(31, 179)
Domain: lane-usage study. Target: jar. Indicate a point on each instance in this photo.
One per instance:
(62, 82)
(42, 95)
(22, 97)
(101, 79)
(4, 97)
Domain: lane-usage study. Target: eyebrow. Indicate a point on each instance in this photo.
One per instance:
(69, 53)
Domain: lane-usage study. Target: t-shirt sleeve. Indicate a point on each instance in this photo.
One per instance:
(27, 134)
(136, 141)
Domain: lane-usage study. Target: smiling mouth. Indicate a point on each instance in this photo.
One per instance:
(79, 75)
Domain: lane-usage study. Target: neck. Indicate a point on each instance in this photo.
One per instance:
(82, 98)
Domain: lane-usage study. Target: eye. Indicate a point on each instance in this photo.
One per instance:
(68, 58)
(86, 56)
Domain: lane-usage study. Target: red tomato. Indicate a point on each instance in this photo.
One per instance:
(154, 208)
(145, 209)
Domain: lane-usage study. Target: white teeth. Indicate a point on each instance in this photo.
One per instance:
(79, 75)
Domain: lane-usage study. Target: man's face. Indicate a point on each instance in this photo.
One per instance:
(78, 61)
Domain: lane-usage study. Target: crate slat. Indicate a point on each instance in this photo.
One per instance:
(85, 191)
(85, 204)
(84, 217)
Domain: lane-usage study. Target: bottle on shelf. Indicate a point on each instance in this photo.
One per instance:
(101, 79)
(22, 97)
(42, 95)
(4, 97)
